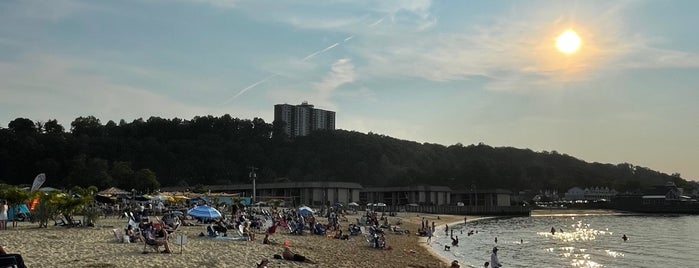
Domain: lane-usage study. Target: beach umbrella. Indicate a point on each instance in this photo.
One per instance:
(380, 204)
(105, 199)
(353, 204)
(142, 198)
(304, 210)
(204, 212)
(176, 212)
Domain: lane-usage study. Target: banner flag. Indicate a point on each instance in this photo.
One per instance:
(38, 181)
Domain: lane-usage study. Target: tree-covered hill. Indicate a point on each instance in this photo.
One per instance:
(147, 154)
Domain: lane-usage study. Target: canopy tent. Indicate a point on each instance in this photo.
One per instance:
(304, 210)
(113, 191)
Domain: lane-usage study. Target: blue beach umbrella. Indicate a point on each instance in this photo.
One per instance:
(204, 212)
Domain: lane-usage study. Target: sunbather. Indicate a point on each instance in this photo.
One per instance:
(288, 255)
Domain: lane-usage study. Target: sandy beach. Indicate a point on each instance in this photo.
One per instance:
(58, 246)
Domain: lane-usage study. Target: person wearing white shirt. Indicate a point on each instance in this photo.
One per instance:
(494, 262)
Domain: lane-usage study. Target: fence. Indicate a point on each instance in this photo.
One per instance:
(461, 210)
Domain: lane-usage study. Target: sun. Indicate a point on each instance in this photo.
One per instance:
(568, 42)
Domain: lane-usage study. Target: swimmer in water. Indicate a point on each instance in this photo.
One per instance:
(624, 237)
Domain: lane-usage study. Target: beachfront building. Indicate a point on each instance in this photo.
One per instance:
(595, 193)
(300, 120)
(293, 193)
(483, 197)
(402, 195)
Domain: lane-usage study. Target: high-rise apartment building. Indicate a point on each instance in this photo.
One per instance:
(303, 118)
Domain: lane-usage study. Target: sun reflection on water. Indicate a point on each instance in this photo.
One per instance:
(578, 232)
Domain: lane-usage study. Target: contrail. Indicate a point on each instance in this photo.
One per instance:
(377, 22)
(319, 51)
(310, 56)
(249, 87)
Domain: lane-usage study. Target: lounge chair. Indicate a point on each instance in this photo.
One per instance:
(62, 221)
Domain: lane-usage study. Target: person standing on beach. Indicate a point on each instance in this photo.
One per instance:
(3, 215)
(464, 219)
(429, 235)
(494, 258)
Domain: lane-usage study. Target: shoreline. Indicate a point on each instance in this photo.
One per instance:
(436, 254)
(535, 213)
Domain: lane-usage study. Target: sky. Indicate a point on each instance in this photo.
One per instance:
(442, 72)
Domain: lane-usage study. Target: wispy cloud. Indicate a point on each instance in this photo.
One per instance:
(216, 3)
(43, 87)
(42, 10)
(305, 59)
(341, 72)
(517, 53)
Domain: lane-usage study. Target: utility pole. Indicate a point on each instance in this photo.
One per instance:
(253, 177)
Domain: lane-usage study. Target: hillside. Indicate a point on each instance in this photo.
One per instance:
(147, 154)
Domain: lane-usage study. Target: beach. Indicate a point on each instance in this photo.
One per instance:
(58, 246)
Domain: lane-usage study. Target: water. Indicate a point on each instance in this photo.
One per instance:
(586, 241)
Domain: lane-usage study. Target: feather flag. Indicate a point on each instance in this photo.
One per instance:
(38, 181)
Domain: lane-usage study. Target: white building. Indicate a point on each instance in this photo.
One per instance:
(595, 193)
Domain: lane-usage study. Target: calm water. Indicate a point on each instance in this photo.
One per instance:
(586, 241)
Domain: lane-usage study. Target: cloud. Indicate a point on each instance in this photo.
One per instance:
(341, 72)
(516, 52)
(43, 87)
(217, 3)
(45, 10)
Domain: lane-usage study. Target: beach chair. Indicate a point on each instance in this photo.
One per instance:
(118, 235)
(12, 260)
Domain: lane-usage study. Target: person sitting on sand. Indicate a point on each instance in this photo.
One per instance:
(263, 263)
(158, 238)
(133, 235)
(268, 241)
(248, 231)
(455, 264)
(219, 227)
(290, 256)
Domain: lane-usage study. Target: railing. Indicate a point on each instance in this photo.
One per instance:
(460, 210)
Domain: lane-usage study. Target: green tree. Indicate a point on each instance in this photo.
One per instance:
(146, 180)
(14, 196)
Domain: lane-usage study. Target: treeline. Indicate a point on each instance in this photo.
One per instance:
(147, 154)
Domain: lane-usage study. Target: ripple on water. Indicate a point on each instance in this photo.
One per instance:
(579, 241)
